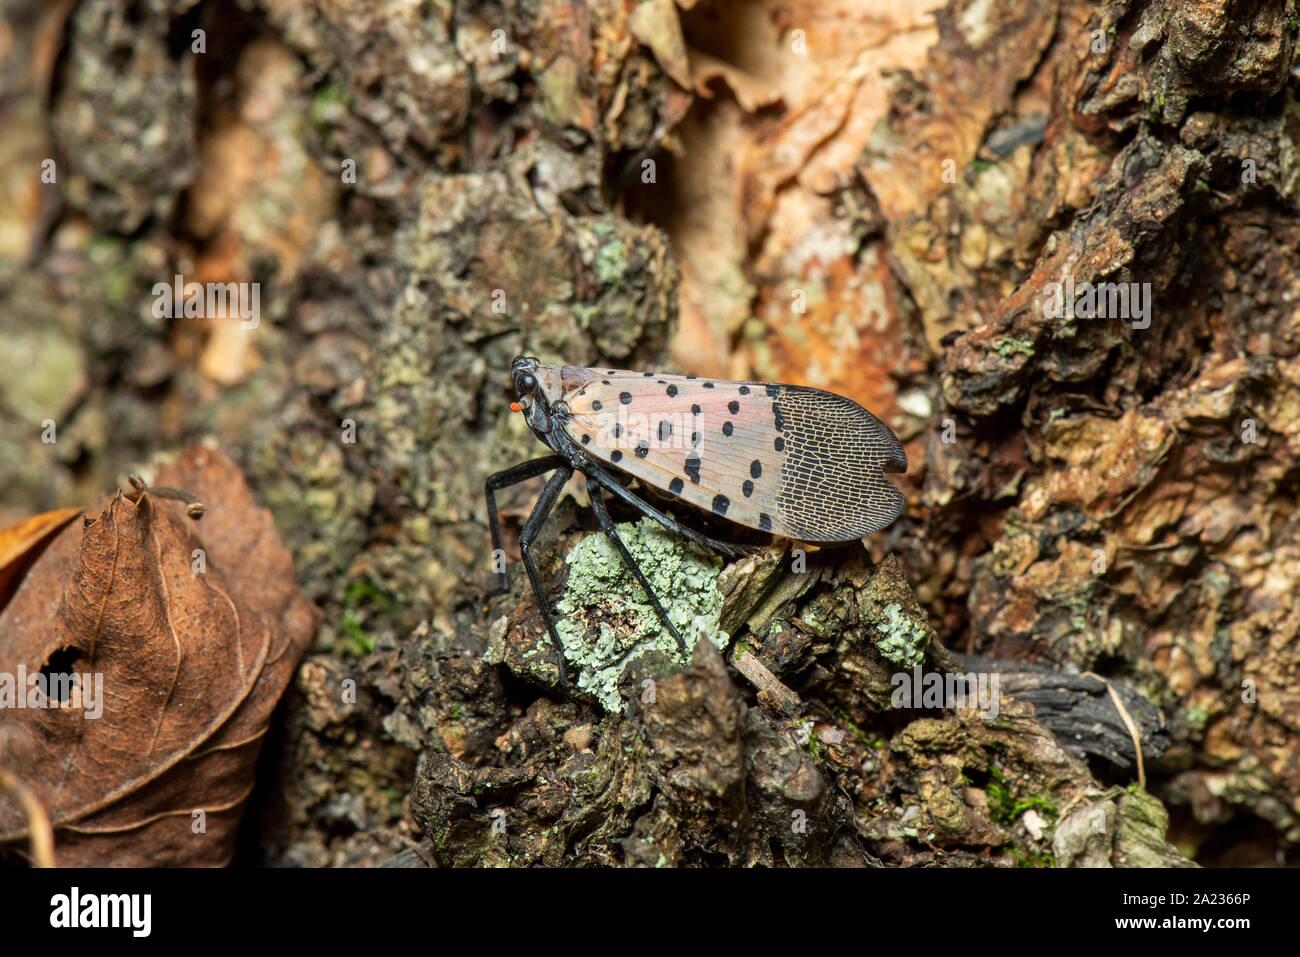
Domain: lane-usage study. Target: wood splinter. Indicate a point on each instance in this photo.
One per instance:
(770, 688)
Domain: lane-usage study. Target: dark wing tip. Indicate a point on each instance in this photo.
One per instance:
(895, 455)
(897, 460)
(893, 502)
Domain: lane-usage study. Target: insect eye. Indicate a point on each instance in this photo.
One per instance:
(528, 383)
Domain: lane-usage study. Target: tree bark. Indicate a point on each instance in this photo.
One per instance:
(744, 190)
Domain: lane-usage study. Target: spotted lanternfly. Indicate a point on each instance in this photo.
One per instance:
(797, 462)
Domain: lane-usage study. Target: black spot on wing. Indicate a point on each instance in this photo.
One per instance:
(676, 486)
(692, 468)
(747, 489)
(720, 504)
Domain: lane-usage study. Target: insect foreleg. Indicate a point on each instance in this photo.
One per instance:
(727, 548)
(611, 532)
(546, 502)
(499, 480)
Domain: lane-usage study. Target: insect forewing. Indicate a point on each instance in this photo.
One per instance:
(790, 460)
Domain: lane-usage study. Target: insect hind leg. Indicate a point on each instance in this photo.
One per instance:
(611, 532)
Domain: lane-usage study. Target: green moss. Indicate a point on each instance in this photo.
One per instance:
(1008, 346)
(1005, 806)
(904, 641)
(362, 595)
(1032, 858)
(606, 621)
(1141, 833)
(366, 591)
(358, 643)
(330, 101)
(815, 746)
(859, 735)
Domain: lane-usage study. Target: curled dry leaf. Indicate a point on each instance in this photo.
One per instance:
(185, 634)
(22, 544)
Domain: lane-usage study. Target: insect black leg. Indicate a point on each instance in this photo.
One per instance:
(727, 548)
(545, 503)
(611, 532)
(512, 476)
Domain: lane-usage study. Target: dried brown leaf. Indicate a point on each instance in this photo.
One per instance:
(22, 544)
(195, 630)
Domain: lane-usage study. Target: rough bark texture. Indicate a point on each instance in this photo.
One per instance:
(642, 186)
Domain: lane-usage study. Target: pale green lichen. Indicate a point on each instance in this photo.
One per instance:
(626, 627)
(611, 256)
(904, 641)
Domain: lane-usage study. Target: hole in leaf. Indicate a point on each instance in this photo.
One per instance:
(60, 663)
